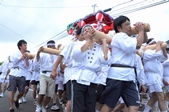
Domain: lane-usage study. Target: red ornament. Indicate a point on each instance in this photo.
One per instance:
(81, 23)
(70, 31)
(99, 16)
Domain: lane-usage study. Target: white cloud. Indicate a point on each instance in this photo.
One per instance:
(37, 25)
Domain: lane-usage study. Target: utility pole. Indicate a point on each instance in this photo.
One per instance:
(94, 6)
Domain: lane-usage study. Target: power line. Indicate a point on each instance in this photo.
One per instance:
(52, 38)
(140, 8)
(16, 33)
(38, 20)
(127, 7)
(44, 6)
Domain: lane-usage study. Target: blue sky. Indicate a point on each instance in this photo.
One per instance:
(40, 20)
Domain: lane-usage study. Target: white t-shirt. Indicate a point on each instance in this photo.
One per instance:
(123, 52)
(66, 53)
(28, 71)
(36, 70)
(141, 77)
(19, 67)
(46, 63)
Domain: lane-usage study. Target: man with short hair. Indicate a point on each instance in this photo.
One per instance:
(17, 74)
(47, 85)
(121, 75)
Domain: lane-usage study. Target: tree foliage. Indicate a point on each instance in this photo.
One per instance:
(1, 63)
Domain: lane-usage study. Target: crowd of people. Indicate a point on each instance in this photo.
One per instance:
(91, 74)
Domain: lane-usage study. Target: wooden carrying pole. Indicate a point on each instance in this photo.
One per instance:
(100, 35)
(50, 51)
(146, 29)
(153, 47)
(30, 55)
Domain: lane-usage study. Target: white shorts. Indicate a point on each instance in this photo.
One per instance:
(155, 88)
(60, 85)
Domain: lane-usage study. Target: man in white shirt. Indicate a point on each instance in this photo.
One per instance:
(88, 58)
(121, 75)
(17, 74)
(65, 57)
(28, 72)
(47, 84)
(4, 77)
(154, 75)
(35, 80)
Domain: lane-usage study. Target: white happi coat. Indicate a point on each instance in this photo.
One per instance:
(166, 70)
(87, 64)
(102, 75)
(153, 67)
(67, 54)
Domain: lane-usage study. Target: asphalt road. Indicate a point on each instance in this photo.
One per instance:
(29, 107)
(24, 107)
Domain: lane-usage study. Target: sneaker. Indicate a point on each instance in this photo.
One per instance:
(16, 104)
(35, 102)
(64, 108)
(37, 96)
(55, 107)
(2, 95)
(20, 100)
(46, 107)
(43, 109)
(61, 101)
(23, 100)
(11, 110)
(38, 108)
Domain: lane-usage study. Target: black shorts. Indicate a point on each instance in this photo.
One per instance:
(16, 82)
(128, 90)
(56, 88)
(64, 87)
(68, 90)
(83, 97)
(27, 83)
(100, 89)
(33, 82)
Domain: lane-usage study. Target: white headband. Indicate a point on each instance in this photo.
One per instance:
(51, 44)
(151, 42)
(87, 25)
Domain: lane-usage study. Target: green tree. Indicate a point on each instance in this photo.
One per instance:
(1, 63)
